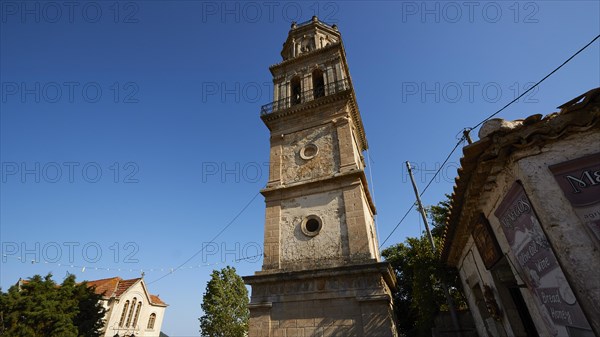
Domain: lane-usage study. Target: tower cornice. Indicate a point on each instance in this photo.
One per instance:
(321, 184)
(348, 95)
(306, 56)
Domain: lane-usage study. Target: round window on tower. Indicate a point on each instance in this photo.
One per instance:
(309, 151)
(311, 225)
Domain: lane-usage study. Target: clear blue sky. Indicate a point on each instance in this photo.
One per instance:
(181, 84)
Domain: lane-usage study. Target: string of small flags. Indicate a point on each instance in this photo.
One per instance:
(248, 259)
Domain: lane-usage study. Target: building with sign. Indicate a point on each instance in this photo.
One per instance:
(524, 223)
(322, 274)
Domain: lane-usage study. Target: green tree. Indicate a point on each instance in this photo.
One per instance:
(419, 272)
(438, 214)
(90, 316)
(40, 307)
(225, 305)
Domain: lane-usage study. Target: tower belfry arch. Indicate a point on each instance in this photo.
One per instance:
(322, 274)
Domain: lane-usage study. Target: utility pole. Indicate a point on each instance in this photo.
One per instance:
(421, 209)
(430, 237)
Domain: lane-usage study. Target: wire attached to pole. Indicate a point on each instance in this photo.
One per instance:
(466, 131)
(538, 83)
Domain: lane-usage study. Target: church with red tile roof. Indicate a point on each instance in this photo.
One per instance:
(131, 309)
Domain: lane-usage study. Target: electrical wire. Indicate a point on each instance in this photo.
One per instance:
(95, 268)
(538, 83)
(373, 192)
(211, 241)
(425, 189)
(393, 230)
(442, 166)
(249, 257)
(483, 121)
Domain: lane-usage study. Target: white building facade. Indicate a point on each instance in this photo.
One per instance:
(131, 309)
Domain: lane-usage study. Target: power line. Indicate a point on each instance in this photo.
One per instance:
(249, 257)
(212, 240)
(442, 166)
(425, 189)
(372, 191)
(483, 121)
(393, 230)
(118, 268)
(538, 83)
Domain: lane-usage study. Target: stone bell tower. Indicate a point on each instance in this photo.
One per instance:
(321, 273)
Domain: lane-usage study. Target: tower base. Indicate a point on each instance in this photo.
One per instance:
(343, 301)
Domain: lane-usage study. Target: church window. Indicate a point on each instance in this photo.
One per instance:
(131, 312)
(309, 151)
(318, 83)
(137, 313)
(311, 225)
(296, 90)
(151, 321)
(125, 307)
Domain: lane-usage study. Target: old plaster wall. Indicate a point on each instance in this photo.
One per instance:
(370, 224)
(504, 182)
(331, 242)
(474, 276)
(358, 158)
(470, 278)
(573, 245)
(323, 165)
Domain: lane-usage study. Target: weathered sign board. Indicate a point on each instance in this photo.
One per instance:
(539, 267)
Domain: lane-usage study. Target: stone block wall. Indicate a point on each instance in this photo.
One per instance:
(330, 303)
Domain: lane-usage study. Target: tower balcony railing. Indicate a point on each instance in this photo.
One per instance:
(306, 96)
